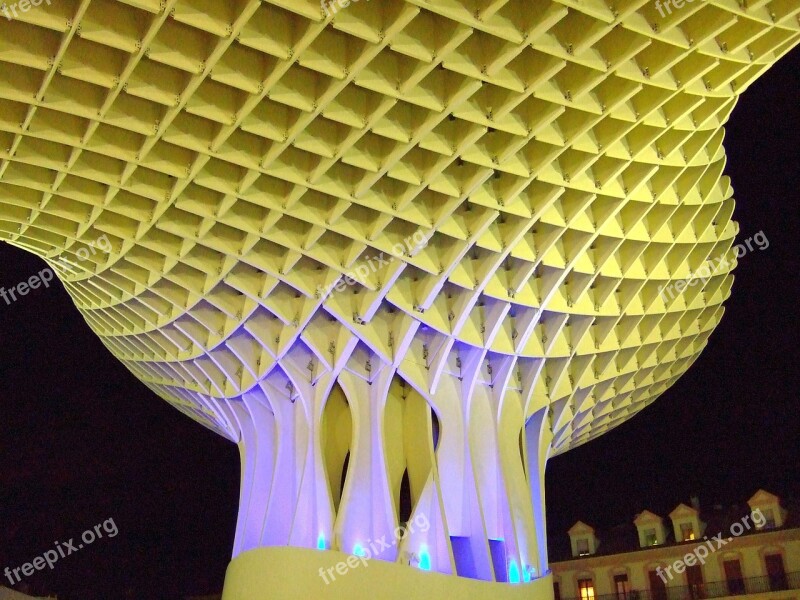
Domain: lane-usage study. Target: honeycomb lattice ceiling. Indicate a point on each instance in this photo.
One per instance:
(560, 161)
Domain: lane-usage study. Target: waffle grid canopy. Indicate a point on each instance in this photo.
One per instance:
(433, 232)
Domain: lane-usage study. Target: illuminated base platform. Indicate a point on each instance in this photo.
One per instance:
(292, 573)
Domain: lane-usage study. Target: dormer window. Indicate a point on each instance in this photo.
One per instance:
(650, 537)
(686, 523)
(582, 540)
(766, 510)
(650, 528)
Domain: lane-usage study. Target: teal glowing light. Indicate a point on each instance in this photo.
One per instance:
(513, 572)
(526, 574)
(359, 551)
(424, 558)
(321, 545)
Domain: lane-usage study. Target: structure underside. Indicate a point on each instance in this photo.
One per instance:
(401, 251)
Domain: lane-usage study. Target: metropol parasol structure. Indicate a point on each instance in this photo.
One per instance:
(400, 251)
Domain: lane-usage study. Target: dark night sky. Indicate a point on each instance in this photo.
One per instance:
(83, 441)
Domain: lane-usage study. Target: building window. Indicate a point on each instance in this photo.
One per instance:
(694, 579)
(621, 586)
(556, 591)
(650, 538)
(586, 588)
(687, 532)
(658, 589)
(775, 572)
(733, 576)
(582, 546)
(769, 518)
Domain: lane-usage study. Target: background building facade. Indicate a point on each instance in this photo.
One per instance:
(695, 554)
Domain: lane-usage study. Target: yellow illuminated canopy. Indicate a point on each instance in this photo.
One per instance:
(401, 235)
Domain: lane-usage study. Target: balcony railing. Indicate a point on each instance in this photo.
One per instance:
(712, 589)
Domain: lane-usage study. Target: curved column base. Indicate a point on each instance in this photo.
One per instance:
(290, 573)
